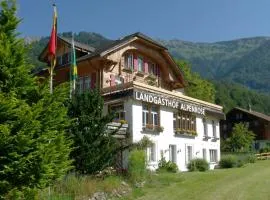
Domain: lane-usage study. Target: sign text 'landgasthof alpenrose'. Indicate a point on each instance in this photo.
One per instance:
(164, 101)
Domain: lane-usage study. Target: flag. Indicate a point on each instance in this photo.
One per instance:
(73, 70)
(53, 40)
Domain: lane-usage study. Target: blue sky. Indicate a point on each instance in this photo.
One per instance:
(191, 20)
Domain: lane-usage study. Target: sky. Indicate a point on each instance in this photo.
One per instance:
(190, 20)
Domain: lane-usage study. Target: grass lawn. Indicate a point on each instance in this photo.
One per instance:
(249, 182)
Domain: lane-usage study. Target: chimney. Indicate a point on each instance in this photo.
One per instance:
(249, 107)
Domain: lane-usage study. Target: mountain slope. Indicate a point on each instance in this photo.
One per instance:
(225, 60)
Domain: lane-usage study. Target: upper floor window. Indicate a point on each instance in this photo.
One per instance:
(150, 115)
(63, 59)
(214, 129)
(84, 83)
(140, 64)
(205, 128)
(118, 111)
(185, 121)
(129, 61)
(152, 68)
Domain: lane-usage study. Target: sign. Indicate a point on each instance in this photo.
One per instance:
(169, 102)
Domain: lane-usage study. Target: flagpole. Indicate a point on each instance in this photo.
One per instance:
(52, 46)
(71, 71)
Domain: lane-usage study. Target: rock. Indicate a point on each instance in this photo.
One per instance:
(124, 183)
(99, 196)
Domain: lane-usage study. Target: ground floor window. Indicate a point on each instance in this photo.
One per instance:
(213, 155)
(173, 153)
(204, 154)
(189, 154)
(151, 153)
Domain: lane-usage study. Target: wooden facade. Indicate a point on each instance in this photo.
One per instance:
(109, 67)
(258, 123)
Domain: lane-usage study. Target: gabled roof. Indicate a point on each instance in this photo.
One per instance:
(254, 113)
(77, 44)
(99, 51)
(68, 41)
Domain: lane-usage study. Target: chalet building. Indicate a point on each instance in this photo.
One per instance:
(141, 82)
(257, 122)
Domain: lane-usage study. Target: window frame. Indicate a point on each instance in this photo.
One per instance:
(119, 112)
(129, 61)
(140, 61)
(213, 156)
(148, 115)
(185, 121)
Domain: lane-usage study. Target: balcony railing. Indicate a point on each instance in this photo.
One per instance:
(120, 128)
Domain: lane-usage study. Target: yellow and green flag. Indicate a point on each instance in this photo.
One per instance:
(73, 70)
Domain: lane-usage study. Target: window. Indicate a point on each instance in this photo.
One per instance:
(151, 153)
(83, 84)
(189, 155)
(118, 110)
(205, 129)
(80, 88)
(150, 115)
(152, 68)
(173, 154)
(87, 83)
(119, 80)
(140, 64)
(204, 154)
(213, 155)
(184, 121)
(214, 129)
(174, 121)
(129, 61)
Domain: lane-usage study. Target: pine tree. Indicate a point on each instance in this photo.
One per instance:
(94, 147)
(34, 147)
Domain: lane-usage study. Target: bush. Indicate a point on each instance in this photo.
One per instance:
(167, 166)
(198, 164)
(228, 161)
(137, 165)
(265, 150)
(251, 158)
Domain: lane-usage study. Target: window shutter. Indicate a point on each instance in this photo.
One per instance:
(135, 57)
(93, 80)
(112, 80)
(145, 67)
(158, 71)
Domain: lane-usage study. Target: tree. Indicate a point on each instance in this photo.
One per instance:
(34, 147)
(94, 147)
(197, 87)
(241, 139)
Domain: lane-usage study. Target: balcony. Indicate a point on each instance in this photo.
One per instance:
(120, 129)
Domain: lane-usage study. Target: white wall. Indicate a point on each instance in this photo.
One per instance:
(167, 137)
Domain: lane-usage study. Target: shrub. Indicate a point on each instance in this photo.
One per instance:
(167, 166)
(251, 158)
(137, 165)
(228, 161)
(171, 167)
(198, 164)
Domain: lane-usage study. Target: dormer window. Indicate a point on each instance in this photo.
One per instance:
(129, 61)
(152, 68)
(140, 64)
